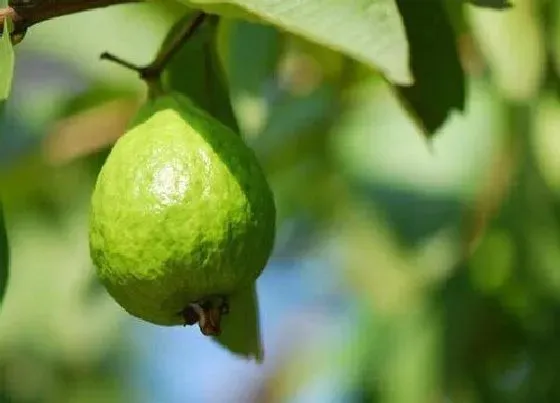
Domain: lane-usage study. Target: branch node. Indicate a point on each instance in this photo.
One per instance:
(152, 73)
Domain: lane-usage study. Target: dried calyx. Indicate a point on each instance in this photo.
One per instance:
(207, 313)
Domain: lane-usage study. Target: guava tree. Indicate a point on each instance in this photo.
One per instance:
(411, 44)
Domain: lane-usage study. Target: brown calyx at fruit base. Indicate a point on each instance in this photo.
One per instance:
(208, 313)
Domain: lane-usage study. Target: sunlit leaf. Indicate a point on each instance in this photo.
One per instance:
(6, 62)
(370, 31)
(513, 45)
(439, 86)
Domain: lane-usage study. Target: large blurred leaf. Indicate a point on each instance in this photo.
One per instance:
(513, 46)
(439, 85)
(370, 31)
(4, 257)
(374, 142)
(97, 93)
(196, 72)
(6, 61)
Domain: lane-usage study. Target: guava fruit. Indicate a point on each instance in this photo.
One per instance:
(182, 216)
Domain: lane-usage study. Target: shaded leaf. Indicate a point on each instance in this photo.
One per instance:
(249, 53)
(196, 72)
(439, 85)
(370, 31)
(241, 332)
(495, 4)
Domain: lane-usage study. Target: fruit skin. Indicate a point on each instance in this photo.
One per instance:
(181, 211)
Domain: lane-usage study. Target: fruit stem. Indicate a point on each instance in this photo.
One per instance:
(152, 73)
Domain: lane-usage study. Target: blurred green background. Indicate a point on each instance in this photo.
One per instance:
(405, 269)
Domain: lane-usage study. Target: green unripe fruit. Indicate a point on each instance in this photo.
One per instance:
(181, 214)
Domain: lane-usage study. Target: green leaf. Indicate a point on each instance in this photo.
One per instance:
(4, 257)
(241, 333)
(249, 53)
(196, 72)
(518, 75)
(370, 31)
(6, 62)
(439, 85)
(495, 4)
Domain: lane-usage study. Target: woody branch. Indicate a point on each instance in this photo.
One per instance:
(26, 13)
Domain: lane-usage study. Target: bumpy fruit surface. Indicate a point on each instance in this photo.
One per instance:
(181, 211)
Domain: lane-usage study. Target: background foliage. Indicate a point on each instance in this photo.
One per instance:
(413, 150)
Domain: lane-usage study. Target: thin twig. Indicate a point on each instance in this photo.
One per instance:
(126, 64)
